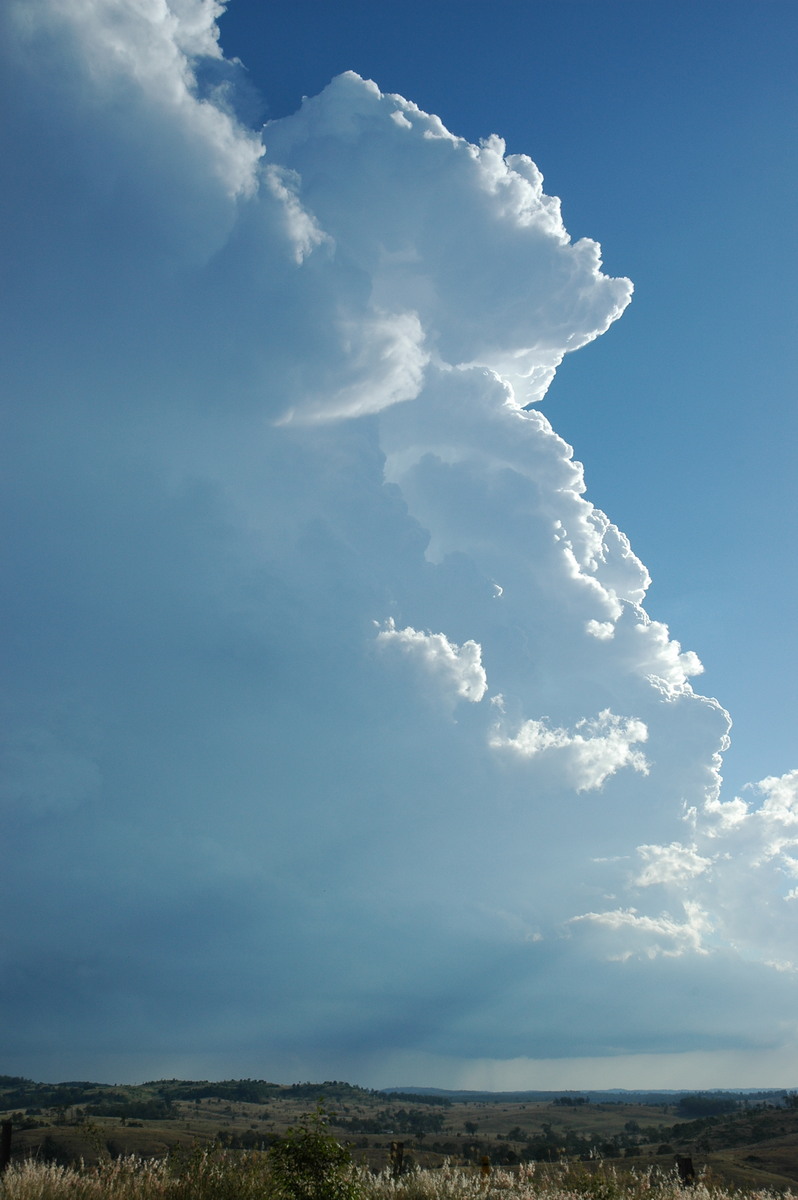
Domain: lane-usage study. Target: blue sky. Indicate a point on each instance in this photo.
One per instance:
(352, 730)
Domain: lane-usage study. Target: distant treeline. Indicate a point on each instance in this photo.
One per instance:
(418, 1098)
(17, 1092)
(703, 1104)
(731, 1099)
(256, 1091)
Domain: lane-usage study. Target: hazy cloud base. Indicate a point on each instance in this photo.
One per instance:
(337, 739)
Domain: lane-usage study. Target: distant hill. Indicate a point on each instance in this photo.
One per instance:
(611, 1096)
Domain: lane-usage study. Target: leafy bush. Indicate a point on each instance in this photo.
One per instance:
(308, 1163)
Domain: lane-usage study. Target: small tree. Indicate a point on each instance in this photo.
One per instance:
(308, 1163)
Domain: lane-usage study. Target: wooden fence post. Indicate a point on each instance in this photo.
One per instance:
(684, 1165)
(5, 1146)
(397, 1159)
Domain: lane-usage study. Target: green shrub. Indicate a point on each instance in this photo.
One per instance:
(308, 1163)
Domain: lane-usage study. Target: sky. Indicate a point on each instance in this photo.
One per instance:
(399, 585)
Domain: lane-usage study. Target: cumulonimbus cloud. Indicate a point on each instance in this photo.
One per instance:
(265, 393)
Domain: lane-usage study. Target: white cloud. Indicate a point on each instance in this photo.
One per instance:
(386, 361)
(595, 750)
(142, 54)
(670, 864)
(781, 798)
(728, 814)
(738, 875)
(480, 254)
(457, 670)
(303, 231)
(603, 630)
(650, 937)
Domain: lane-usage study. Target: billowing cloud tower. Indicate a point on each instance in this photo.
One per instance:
(338, 739)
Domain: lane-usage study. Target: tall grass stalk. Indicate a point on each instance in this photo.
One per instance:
(212, 1174)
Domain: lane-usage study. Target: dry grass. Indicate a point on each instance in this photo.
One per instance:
(214, 1175)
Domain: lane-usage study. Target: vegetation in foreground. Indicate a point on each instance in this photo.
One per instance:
(200, 1130)
(309, 1163)
(212, 1174)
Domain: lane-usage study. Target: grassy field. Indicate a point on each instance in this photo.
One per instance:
(753, 1148)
